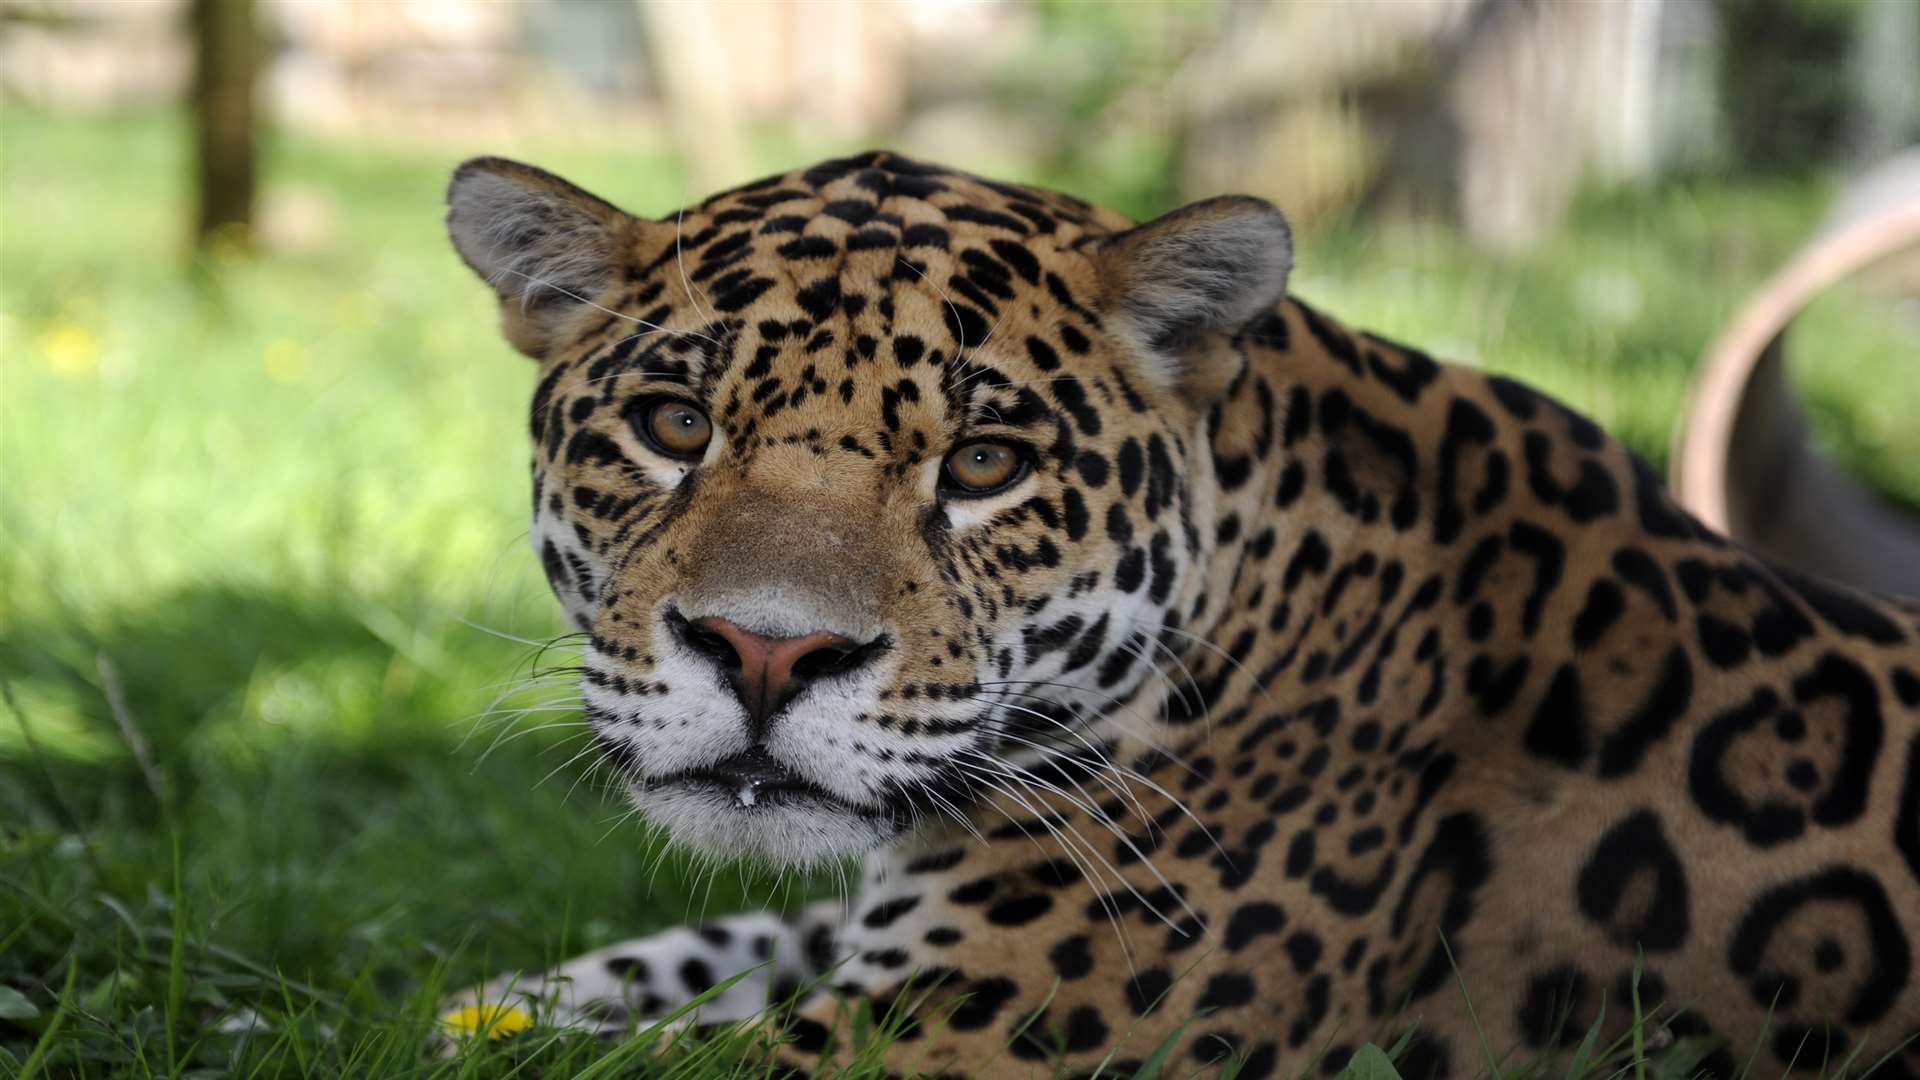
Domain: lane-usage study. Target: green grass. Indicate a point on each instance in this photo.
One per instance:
(276, 508)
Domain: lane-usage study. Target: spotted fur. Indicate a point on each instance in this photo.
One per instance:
(1299, 673)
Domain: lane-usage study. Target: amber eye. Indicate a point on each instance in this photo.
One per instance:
(982, 468)
(676, 429)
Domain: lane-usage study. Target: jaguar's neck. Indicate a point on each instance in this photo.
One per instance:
(1451, 544)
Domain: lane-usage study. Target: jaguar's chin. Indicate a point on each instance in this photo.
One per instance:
(781, 824)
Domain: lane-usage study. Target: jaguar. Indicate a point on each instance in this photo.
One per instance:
(1189, 676)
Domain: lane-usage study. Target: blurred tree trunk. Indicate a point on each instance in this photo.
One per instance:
(226, 60)
(1785, 82)
(692, 52)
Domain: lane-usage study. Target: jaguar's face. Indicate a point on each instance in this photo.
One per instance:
(870, 483)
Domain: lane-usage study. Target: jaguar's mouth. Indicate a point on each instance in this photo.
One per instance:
(752, 806)
(755, 780)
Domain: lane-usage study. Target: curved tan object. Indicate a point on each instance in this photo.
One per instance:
(1743, 462)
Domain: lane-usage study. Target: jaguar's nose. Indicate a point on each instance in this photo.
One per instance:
(768, 672)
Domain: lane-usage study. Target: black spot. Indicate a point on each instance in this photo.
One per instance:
(1071, 957)
(1592, 494)
(1410, 376)
(820, 298)
(1473, 569)
(1558, 730)
(1303, 948)
(1725, 644)
(851, 211)
(886, 914)
(1225, 991)
(1085, 1029)
(1636, 850)
(1549, 555)
(1425, 1058)
(1637, 568)
(809, 1036)
(808, 247)
(1495, 687)
(696, 974)
(1621, 752)
(978, 216)
(1459, 851)
(630, 968)
(1042, 354)
(1146, 989)
(1604, 604)
(1890, 962)
(1907, 685)
(1131, 570)
(1312, 557)
(932, 236)
(1906, 826)
(1020, 910)
(936, 861)
(1251, 921)
(1658, 513)
(1549, 1012)
(1132, 463)
(1093, 470)
(738, 294)
(1769, 821)
(981, 1003)
(1467, 425)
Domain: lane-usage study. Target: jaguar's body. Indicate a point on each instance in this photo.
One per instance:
(1283, 674)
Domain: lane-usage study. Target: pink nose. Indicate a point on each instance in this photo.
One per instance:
(772, 670)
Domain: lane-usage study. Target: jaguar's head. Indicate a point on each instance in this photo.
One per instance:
(874, 485)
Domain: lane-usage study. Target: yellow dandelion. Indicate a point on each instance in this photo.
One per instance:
(70, 349)
(495, 1021)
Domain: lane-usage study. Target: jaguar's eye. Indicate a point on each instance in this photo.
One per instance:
(676, 429)
(982, 468)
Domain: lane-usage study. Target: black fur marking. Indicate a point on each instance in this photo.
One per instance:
(1887, 950)
(1459, 851)
(1772, 818)
(1906, 826)
(1548, 1014)
(1636, 850)
(1559, 728)
(1665, 704)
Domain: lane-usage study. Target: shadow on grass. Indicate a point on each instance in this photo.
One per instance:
(306, 663)
(335, 823)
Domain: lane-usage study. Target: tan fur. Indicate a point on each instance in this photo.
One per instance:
(1426, 666)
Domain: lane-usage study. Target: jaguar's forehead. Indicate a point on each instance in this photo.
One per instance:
(842, 295)
(873, 192)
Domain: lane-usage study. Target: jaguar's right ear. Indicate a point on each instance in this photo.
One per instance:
(549, 249)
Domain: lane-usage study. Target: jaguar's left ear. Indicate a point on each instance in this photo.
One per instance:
(1182, 282)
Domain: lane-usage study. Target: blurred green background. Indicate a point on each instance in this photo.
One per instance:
(280, 755)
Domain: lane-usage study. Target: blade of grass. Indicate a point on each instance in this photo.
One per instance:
(1888, 1056)
(45, 1046)
(1493, 1064)
(1759, 1038)
(1150, 1068)
(177, 959)
(1639, 1019)
(1583, 1057)
(1369, 1063)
